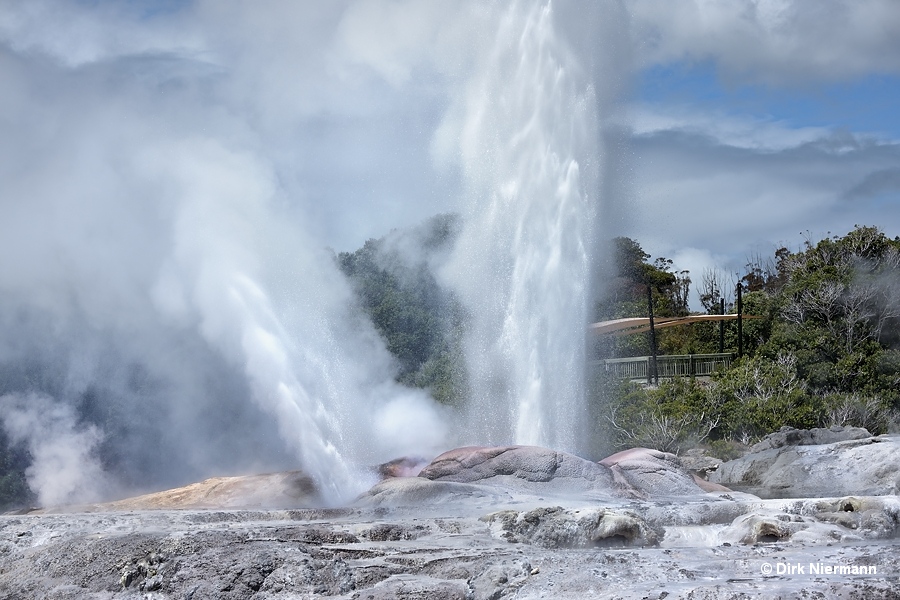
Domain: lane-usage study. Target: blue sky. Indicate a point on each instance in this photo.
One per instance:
(864, 104)
(862, 109)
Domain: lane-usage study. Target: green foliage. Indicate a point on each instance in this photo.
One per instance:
(624, 284)
(632, 265)
(737, 408)
(398, 308)
(625, 289)
(872, 412)
(14, 490)
(726, 449)
(419, 321)
(825, 352)
(759, 396)
(838, 313)
(443, 375)
(672, 417)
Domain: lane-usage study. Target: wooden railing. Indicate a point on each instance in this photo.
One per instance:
(669, 365)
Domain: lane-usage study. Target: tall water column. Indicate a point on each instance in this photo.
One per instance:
(529, 147)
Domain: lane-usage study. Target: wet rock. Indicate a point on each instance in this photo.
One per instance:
(556, 527)
(415, 588)
(871, 517)
(502, 579)
(696, 460)
(420, 492)
(817, 522)
(757, 529)
(556, 552)
(708, 486)
(287, 489)
(318, 536)
(788, 436)
(392, 532)
(401, 467)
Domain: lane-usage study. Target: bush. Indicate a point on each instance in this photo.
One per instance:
(852, 410)
(726, 449)
(759, 396)
(673, 417)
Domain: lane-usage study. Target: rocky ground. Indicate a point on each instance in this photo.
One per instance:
(477, 523)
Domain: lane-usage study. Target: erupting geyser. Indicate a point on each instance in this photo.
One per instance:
(529, 144)
(164, 288)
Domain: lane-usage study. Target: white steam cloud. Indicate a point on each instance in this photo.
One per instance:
(409, 425)
(171, 182)
(65, 468)
(172, 178)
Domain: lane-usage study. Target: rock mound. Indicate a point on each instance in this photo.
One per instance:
(788, 436)
(525, 468)
(493, 472)
(289, 489)
(654, 473)
(800, 464)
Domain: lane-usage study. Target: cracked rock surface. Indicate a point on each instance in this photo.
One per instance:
(515, 522)
(627, 551)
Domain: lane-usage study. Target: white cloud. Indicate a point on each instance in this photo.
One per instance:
(724, 182)
(74, 36)
(738, 131)
(724, 188)
(698, 261)
(772, 41)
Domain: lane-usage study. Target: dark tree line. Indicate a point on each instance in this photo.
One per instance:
(826, 350)
(420, 322)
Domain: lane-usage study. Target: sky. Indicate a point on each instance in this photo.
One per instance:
(174, 176)
(762, 124)
(751, 124)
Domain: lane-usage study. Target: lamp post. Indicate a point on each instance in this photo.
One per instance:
(740, 310)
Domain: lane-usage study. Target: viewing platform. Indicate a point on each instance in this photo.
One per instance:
(671, 365)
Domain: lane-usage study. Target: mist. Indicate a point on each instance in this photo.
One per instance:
(177, 177)
(172, 183)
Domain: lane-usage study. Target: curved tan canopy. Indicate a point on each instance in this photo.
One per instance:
(642, 324)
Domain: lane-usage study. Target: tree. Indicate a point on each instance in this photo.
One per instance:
(624, 294)
(14, 490)
(625, 285)
(419, 320)
(826, 350)
(715, 286)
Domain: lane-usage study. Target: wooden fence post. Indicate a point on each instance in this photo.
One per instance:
(652, 373)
